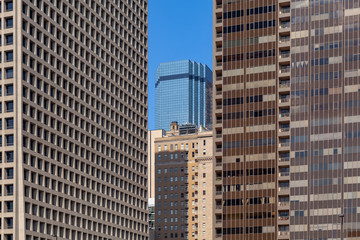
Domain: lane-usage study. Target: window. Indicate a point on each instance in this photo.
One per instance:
(9, 6)
(9, 22)
(9, 73)
(9, 206)
(9, 123)
(9, 90)
(9, 56)
(9, 140)
(9, 106)
(0, 124)
(9, 190)
(9, 173)
(9, 39)
(9, 223)
(9, 156)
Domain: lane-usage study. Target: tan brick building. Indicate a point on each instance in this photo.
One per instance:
(183, 183)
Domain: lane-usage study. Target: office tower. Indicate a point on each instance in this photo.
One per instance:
(183, 93)
(184, 176)
(286, 119)
(74, 119)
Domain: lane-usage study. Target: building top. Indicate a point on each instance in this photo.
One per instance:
(183, 93)
(185, 130)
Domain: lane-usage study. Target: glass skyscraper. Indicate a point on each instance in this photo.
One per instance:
(183, 92)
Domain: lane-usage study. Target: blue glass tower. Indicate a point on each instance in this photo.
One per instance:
(183, 93)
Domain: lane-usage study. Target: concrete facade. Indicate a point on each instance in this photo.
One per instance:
(74, 121)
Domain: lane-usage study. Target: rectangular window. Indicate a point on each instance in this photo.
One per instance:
(9, 56)
(9, 106)
(9, 22)
(9, 6)
(9, 90)
(9, 123)
(9, 140)
(9, 156)
(9, 73)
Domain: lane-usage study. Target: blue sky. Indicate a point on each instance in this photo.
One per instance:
(178, 29)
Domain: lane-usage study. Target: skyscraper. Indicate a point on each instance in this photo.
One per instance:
(74, 119)
(183, 93)
(286, 119)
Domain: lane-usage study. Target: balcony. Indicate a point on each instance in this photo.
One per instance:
(284, 99)
(284, 220)
(284, 57)
(284, 10)
(284, 116)
(284, 191)
(284, 161)
(218, 121)
(284, 39)
(283, 235)
(219, 35)
(284, 27)
(218, 192)
(284, 145)
(283, 205)
(284, 176)
(284, 71)
(284, 131)
(284, 86)
(218, 78)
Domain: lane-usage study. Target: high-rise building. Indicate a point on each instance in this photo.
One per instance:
(184, 176)
(73, 119)
(286, 100)
(183, 93)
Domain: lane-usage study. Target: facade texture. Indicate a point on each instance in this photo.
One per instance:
(286, 119)
(183, 93)
(73, 119)
(184, 177)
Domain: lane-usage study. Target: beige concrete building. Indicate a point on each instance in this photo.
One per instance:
(73, 118)
(183, 183)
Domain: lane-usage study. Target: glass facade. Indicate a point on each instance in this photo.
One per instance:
(286, 119)
(183, 94)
